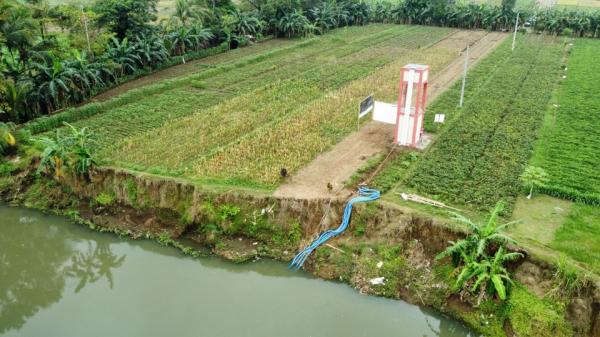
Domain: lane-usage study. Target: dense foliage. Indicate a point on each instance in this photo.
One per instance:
(478, 159)
(53, 57)
(481, 256)
(63, 56)
(71, 149)
(569, 142)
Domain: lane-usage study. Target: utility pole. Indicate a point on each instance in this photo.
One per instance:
(515, 33)
(464, 81)
(87, 35)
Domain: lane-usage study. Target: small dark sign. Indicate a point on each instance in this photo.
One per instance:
(366, 106)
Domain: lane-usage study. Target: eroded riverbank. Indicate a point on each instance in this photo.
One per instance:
(244, 226)
(61, 279)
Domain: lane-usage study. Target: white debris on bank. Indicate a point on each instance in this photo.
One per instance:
(377, 281)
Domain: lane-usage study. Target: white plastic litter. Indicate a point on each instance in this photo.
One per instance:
(377, 281)
(379, 264)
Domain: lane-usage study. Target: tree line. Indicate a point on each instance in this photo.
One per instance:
(52, 57)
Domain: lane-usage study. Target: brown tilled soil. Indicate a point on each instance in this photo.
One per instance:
(332, 168)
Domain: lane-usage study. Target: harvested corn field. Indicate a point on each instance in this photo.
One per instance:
(244, 119)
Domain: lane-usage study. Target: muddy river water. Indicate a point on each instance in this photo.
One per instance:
(60, 279)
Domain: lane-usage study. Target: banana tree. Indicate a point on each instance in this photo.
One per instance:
(7, 139)
(74, 149)
(54, 156)
(487, 276)
(54, 82)
(84, 75)
(123, 54)
(481, 236)
(293, 23)
(14, 97)
(151, 50)
(246, 23)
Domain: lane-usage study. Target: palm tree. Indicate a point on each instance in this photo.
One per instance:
(190, 10)
(184, 38)
(18, 30)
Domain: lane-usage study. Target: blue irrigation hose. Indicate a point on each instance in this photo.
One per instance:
(364, 195)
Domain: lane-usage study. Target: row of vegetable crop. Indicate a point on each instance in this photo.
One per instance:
(225, 82)
(298, 139)
(478, 159)
(477, 79)
(191, 138)
(569, 146)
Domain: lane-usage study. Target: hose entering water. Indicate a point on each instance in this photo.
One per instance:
(364, 195)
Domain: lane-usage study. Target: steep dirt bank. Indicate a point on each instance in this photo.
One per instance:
(242, 225)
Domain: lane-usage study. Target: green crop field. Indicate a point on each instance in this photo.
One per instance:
(485, 145)
(478, 159)
(579, 236)
(279, 106)
(569, 145)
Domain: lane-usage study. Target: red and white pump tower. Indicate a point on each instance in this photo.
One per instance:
(412, 99)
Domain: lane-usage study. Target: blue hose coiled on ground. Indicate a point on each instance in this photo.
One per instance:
(364, 195)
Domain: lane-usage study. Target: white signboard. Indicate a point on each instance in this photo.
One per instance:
(385, 112)
(439, 118)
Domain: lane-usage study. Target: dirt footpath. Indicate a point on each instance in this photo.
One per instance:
(338, 164)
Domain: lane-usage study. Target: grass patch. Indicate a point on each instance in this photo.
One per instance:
(569, 142)
(579, 236)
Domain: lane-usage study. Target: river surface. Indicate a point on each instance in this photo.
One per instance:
(60, 279)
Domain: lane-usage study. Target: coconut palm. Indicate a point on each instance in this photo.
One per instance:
(18, 30)
(188, 38)
(187, 10)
